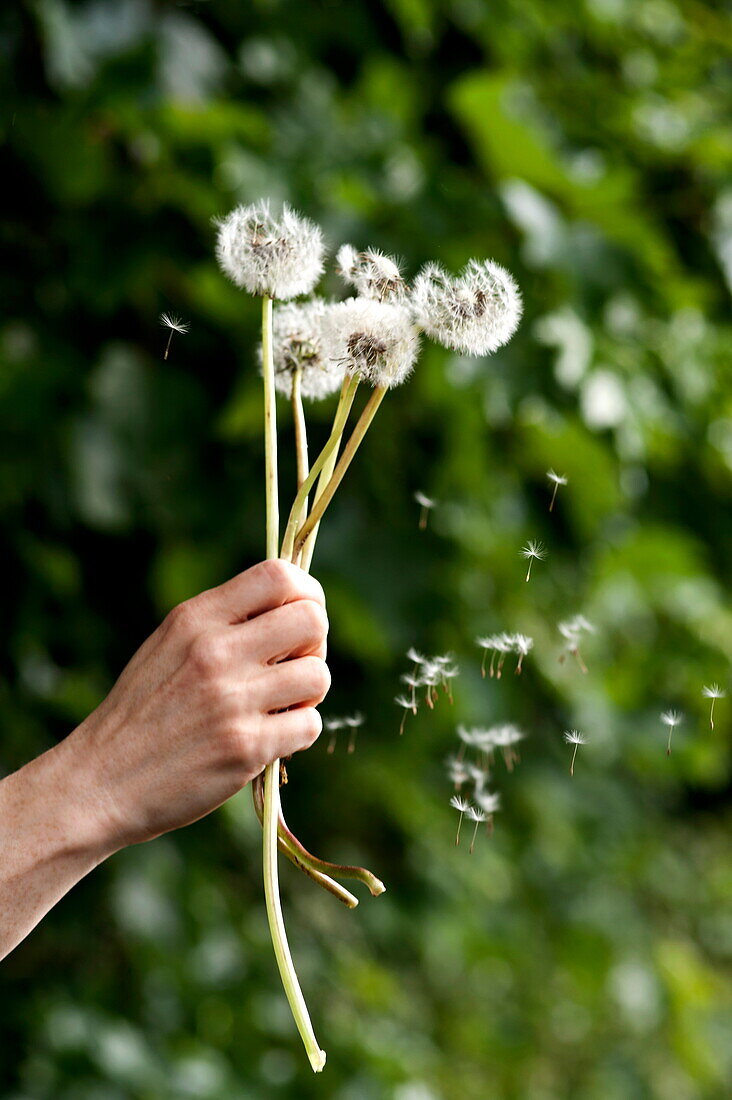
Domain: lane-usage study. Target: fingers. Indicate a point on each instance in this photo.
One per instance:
(297, 629)
(291, 731)
(262, 588)
(303, 682)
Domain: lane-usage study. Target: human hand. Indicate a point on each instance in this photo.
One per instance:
(227, 683)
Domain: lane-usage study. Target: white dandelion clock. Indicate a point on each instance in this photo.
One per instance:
(462, 806)
(426, 504)
(671, 719)
(574, 738)
(556, 480)
(713, 692)
(274, 256)
(478, 816)
(533, 551)
(374, 341)
(474, 313)
(300, 351)
(371, 273)
(174, 324)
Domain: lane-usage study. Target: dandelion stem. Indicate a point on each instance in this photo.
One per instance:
(272, 771)
(457, 834)
(554, 496)
(301, 438)
(528, 574)
(571, 766)
(277, 924)
(326, 474)
(668, 743)
(482, 663)
(349, 451)
(424, 513)
(475, 833)
(339, 422)
(167, 346)
(711, 713)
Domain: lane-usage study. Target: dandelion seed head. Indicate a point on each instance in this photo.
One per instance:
(174, 323)
(423, 501)
(533, 549)
(672, 718)
(522, 643)
(404, 701)
(375, 341)
(556, 479)
(298, 344)
(371, 273)
(459, 804)
(713, 691)
(574, 737)
(475, 312)
(413, 655)
(266, 254)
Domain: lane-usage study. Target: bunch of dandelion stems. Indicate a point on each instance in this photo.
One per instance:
(297, 546)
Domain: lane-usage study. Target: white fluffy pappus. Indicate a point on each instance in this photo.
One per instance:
(376, 341)
(279, 256)
(298, 343)
(475, 312)
(372, 273)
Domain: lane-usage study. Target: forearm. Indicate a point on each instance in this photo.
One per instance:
(50, 837)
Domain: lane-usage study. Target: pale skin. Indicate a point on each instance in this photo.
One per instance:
(227, 683)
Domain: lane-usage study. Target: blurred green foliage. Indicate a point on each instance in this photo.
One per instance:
(584, 951)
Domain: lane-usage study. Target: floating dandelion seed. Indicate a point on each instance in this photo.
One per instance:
(415, 657)
(426, 505)
(522, 645)
(489, 802)
(333, 726)
(572, 631)
(478, 816)
(406, 703)
(462, 806)
(534, 551)
(175, 324)
(457, 771)
(672, 719)
(574, 737)
(556, 480)
(713, 692)
(353, 723)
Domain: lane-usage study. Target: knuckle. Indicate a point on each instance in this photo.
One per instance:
(312, 726)
(181, 618)
(319, 676)
(207, 653)
(313, 617)
(278, 576)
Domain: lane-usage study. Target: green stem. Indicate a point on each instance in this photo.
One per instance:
(344, 462)
(272, 771)
(288, 845)
(348, 392)
(277, 924)
(306, 557)
(301, 436)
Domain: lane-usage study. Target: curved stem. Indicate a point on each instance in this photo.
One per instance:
(301, 436)
(348, 392)
(277, 924)
(306, 556)
(287, 844)
(344, 462)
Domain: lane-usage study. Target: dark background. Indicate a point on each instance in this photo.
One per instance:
(583, 951)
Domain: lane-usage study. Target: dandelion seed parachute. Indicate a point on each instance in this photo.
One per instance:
(476, 312)
(280, 256)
